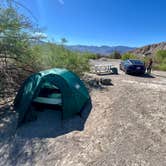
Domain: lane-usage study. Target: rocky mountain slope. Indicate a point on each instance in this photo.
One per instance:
(149, 49)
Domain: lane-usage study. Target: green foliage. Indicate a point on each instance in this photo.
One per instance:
(90, 56)
(129, 56)
(115, 55)
(160, 56)
(50, 55)
(17, 35)
(160, 60)
(63, 40)
(161, 66)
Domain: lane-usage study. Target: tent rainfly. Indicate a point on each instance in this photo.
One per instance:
(53, 87)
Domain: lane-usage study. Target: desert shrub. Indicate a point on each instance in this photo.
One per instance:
(16, 35)
(160, 67)
(160, 60)
(50, 55)
(115, 55)
(160, 56)
(91, 56)
(128, 56)
(20, 45)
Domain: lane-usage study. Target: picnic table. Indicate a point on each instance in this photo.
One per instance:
(104, 69)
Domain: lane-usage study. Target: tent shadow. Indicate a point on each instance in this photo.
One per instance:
(50, 125)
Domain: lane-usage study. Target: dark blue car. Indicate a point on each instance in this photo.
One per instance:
(132, 66)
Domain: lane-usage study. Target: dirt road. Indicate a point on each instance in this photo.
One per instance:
(126, 127)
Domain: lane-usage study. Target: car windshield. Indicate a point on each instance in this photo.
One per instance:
(136, 62)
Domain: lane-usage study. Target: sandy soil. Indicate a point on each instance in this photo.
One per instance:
(126, 126)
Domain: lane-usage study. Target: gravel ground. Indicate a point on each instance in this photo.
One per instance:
(126, 127)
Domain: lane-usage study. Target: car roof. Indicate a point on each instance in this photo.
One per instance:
(135, 61)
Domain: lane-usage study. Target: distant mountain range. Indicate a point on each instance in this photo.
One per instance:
(103, 50)
(150, 49)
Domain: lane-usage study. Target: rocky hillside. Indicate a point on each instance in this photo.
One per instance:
(149, 49)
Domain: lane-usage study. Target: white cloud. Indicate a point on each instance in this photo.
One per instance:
(40, 34)
(61, 2)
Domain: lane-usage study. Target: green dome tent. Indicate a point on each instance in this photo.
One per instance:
(72, 97)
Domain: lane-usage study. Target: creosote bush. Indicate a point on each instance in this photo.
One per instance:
(50, 55)
(160, 60)
(128, 56)
(115, 55)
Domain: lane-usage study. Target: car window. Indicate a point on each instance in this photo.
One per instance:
(136, 62)
(126, 62)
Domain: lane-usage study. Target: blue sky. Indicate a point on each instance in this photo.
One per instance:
(101, 22)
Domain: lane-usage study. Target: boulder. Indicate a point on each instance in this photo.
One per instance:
(91, 81)
(94, 82)
(105, 81)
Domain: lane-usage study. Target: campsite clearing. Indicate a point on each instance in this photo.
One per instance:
(127, 126)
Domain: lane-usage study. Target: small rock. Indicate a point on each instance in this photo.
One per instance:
(91, 81)
(94, 82)
(105, 81)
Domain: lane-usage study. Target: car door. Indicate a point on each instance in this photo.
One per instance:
(126, 64)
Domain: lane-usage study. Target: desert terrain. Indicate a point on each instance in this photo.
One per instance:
(126, 127)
